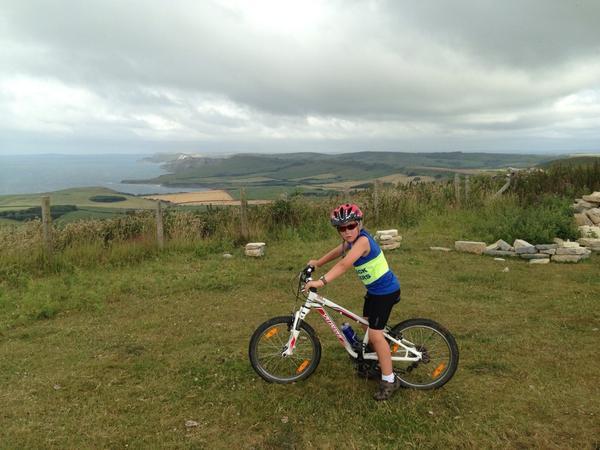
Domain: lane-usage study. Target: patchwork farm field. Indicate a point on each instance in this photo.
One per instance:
(125, 353)
(212, 197)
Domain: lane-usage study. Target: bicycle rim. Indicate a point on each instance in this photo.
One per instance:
(272, 365)
(439, 357)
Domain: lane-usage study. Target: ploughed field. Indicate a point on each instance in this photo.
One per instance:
(126, 352)
(211, 197)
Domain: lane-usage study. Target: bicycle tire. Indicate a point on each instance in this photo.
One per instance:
(267, 343)
(440, 360)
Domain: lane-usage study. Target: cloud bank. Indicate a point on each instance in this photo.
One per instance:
(281, 75)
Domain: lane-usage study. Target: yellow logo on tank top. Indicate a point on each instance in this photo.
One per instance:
(371, 271)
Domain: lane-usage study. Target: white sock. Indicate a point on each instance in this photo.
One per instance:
(389, 378)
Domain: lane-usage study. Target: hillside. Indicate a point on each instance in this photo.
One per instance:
(82, 198)
(574, 161)
(317, 170)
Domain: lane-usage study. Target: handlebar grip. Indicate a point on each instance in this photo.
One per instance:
(313, 289)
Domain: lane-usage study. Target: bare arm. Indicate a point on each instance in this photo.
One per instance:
(361, 247)
(329, 256)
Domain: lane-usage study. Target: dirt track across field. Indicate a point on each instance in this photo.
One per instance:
(213, 197)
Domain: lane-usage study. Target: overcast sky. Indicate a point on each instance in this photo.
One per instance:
(278, 75)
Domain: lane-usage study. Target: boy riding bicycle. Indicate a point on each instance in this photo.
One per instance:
(360, 250)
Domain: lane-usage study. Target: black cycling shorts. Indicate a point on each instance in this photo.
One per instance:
(377, 308)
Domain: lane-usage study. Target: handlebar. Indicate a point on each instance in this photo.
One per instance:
(306, 276)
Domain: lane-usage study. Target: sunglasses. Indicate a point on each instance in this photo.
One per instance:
(350, 227)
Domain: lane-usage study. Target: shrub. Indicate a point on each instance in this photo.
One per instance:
(36, 212)
(506, 218)
(108, 198)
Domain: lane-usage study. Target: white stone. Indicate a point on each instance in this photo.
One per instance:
(591, 243)
(391, 246)
(569, 244)
(470, 247)
(392, 232)
(594, 197)
(582, 219)
(227, 255)
(254, 245)
(533, 255)
(539, 261)
(499, 259)
(582, 205)
(571, 251)
(500, 245)
(546, 246)
(522, 246)
(255, 252)
(566, 258)
(594, 215)
(499, 253)
(589, 232)
(440, 249)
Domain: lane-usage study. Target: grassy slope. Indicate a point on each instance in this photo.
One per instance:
(75, 196)
(361, 165)
(139, 349)
(574, 161)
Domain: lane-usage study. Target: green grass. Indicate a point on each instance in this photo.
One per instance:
(124, 352)
(75, 196)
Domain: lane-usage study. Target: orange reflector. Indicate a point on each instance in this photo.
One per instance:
(272, 332)
(302, 366)
(395, 348)
(438, 370)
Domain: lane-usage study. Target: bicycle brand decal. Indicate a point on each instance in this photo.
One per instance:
(332, 325)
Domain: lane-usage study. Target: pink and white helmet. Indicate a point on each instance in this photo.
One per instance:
(345, 213)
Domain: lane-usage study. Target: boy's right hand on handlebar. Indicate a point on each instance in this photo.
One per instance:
(312, 284)
(313, 262)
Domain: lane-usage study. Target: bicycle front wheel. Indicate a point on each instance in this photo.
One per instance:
(439, 354)
(268, 343)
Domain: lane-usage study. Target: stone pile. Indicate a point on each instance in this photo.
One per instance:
(587, 211)
(388, 239)
(255, 249)
(559, 251)
(587, 216)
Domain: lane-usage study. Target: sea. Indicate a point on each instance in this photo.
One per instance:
(29, 174)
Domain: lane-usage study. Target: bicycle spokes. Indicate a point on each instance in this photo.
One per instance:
(435, 356)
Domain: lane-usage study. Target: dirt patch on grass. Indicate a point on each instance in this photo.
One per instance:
(213, 197)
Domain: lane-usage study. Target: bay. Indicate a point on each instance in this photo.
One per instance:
(29, 174)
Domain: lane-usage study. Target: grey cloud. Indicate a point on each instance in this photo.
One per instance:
(383, 61)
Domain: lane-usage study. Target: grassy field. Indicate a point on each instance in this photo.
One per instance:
(123, 353)
(75, 196)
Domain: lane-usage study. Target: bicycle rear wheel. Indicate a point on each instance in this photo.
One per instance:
(439, 350)
(268, 343)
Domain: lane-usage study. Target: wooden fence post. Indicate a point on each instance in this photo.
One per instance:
(243, 214)
(457, 188)
(160, 230)
(47, 226)
(376, 187)
(467, 188)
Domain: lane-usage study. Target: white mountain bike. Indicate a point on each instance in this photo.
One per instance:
(286, 349)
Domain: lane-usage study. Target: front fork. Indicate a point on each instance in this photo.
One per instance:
(299, 316)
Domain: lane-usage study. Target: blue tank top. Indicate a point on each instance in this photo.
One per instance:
(374, 271)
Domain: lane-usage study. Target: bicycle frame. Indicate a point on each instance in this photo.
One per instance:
(317, 302)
